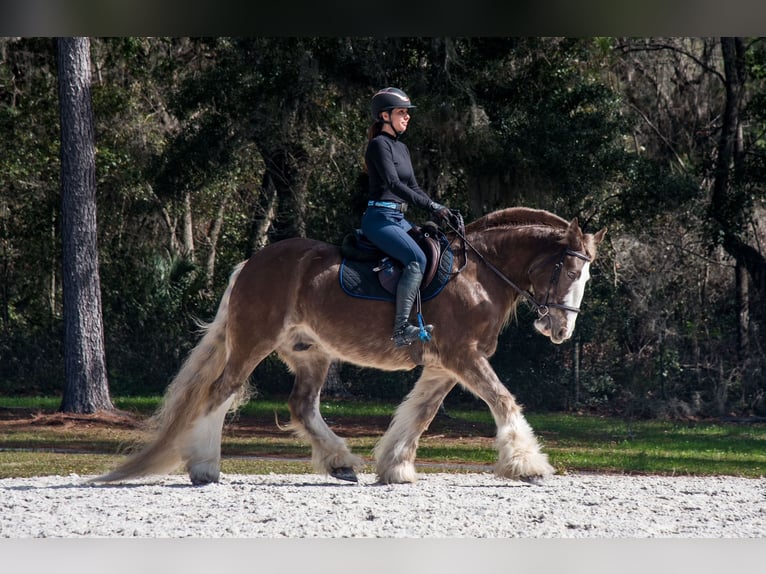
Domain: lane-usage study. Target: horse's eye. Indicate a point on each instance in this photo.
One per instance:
(572, 275)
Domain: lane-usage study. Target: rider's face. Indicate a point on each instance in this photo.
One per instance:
(399, 117)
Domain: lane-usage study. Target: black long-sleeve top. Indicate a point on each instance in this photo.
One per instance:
(391, 176)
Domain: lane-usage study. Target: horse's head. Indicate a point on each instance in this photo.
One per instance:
(558, 281)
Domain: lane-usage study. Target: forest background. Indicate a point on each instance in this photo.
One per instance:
(210, 148)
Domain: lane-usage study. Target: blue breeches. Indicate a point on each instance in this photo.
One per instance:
(387, 229)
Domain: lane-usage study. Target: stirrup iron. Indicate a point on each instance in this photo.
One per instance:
(407, 334)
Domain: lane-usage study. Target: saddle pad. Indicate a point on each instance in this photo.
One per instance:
(358, 279)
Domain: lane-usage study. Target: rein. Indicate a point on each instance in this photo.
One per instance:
(542, 308)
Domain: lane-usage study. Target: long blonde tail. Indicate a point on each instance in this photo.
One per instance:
(186, 398)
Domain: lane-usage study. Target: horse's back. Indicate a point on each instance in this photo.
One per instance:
(271, 280)
(271, 270)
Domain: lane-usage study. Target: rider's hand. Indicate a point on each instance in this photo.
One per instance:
(440, 211)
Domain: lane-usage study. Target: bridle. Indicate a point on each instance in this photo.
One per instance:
(543, 309)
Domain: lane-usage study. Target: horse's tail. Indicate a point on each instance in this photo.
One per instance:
(186, 398)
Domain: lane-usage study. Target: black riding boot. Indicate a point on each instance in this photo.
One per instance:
(406, 293)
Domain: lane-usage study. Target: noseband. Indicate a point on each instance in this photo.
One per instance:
(543, 309)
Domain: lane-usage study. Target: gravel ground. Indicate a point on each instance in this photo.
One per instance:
(443, 505)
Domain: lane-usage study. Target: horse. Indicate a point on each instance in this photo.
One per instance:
(286, 299)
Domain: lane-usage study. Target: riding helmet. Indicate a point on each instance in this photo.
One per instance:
(387, 99)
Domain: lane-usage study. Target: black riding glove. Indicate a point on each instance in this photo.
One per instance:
(441, 212)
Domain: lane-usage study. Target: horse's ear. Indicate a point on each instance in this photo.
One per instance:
(598, 237)
(574, 233)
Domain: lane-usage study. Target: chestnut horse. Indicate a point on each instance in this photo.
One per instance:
(287, 299)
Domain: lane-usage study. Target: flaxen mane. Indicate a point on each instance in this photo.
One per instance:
(520, 217)
(516, 217)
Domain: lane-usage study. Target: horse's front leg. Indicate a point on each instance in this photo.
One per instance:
(395, 452)
(519, 455)
(329, 452)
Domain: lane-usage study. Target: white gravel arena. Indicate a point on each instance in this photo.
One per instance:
(443, 514)
(444, 505)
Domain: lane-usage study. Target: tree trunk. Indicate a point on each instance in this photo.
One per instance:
(333, 386)
(215, 233)
(53, 272)
(743, 312)
(86, 388)
(5, 314)
(188, 230)
(725, 204)
(264, 217)
(174, 245)
(724, 209)
(289, 181)
(575, 399)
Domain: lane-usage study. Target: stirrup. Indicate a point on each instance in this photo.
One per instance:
(408, 334)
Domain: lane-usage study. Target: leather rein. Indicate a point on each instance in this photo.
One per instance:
(542, 308)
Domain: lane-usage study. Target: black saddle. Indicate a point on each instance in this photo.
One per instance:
(368, 272)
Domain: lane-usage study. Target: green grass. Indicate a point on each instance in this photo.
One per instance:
(51, 404)
(573, 442)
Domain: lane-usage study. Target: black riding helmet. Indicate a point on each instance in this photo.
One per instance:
(387, 99)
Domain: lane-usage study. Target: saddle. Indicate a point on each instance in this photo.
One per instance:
(368, 272)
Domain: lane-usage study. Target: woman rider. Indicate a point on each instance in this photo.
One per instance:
(392, 187)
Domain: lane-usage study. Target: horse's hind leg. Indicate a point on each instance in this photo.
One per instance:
(330, 454)
(201, 445)
(395, 452)
(519, 453)
(201, 449)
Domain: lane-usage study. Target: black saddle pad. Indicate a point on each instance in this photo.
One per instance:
(358, 278)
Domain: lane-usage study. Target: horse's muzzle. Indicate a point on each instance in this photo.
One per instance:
(557, 331)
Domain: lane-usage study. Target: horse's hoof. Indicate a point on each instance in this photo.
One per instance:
(202, 473)
(202, 481)
(203, 478)
(533, 480)
(344, 473)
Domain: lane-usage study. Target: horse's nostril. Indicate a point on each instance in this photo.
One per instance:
(544, 326)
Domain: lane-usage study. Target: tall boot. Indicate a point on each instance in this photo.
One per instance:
(406, 293)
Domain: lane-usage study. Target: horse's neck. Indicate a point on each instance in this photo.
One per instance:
(514, 249)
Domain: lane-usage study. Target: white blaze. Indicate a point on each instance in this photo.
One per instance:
(573, 297)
